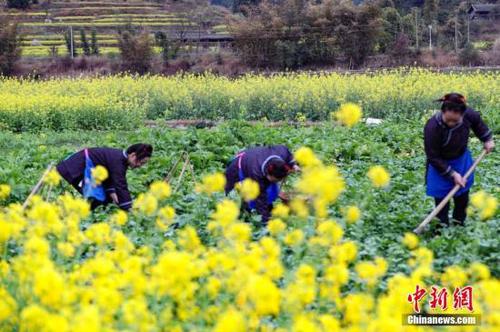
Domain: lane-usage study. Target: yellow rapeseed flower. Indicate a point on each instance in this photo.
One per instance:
(4, 191)
(249, 189)
(454, 276)
(8, 305)
(294, 238)
(479, 271)
(276, 226)
(160, 189)
(371, 271)
(66, 249)
(303, 323)
(323, 183)
(349, 114)
(99, 174)
(306, 157)
(263, 295)
(330, 231)
(299, 207)
(231, 321)
(146, 203)
(99, 233)
(485, 203)
(352, 214)
(212, 183)
(120, 217)
(379, 176)
(165, 218)
(238, 232)
(226, 212)
(280, 210)
(53, 178)
(410, 240)
(49, 287)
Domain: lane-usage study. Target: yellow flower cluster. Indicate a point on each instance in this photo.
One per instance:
(348, 114)
(323, 184)
(410, 240)
(99, 174)
(53, 178)
(160, 189)
(4, 191)
(121, 101)
(212, 183)
(67, 275)
(371, 271)
(379, 176)
(120, 218)
(485, 204)
(146, 203)
(306, 157)
(249, 189)
(352, 214)
(165, 217)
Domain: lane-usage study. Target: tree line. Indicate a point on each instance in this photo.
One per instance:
(294, 33)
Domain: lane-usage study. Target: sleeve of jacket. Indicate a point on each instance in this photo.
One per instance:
(432, 146)
(118, 184)
(109, 186)
(262, 206)
(480, 128)
(232, 177)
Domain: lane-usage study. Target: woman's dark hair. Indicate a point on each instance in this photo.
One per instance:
(141, 150)
(277, 168)
(453, 102)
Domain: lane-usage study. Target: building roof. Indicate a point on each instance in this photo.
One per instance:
(483, 8)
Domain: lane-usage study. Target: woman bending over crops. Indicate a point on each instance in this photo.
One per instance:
(100, 174)
(265, 165)
(446, 135)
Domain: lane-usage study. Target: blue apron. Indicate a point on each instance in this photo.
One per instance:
(272, 190)
(90, 189)
(439, 186)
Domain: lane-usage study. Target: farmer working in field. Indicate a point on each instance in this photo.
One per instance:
(446, 136)
(265, 165)
(79, 171)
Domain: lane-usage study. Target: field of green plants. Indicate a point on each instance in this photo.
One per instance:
(182, 260)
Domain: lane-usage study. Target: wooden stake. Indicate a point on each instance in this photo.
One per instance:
(191, 168)
(38, 185)
(184, 167)
(456, 188)
(187, 164)
(172, 170)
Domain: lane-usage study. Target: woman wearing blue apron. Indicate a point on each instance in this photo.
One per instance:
(265, 165)
(446, 136)
(76, 170)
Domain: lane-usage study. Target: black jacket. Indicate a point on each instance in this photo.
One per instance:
(443, 143)
(115, 161)
(253, 164)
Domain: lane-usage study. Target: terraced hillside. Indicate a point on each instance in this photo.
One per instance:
(43, 26)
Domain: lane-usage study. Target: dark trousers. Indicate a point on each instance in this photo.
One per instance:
(459, 210)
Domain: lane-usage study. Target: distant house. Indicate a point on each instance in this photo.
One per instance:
(483, 11)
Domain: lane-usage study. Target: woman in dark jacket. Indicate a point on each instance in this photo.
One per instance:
(446, 136)
(266, 166)
(114, 189)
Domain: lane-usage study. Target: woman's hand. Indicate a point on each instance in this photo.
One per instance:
(489, 146)
(458, 179)
(284, 197)
(114, 198)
